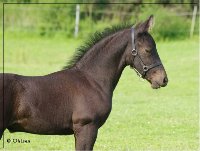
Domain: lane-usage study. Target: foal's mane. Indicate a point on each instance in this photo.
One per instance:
(92, 40)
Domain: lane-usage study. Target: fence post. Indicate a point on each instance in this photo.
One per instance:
(77, 20)
(193, 20)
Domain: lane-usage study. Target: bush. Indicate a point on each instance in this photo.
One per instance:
(53, 20)
(167, 25)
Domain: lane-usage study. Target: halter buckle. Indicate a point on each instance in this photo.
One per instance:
(145, 68)
(134, 52)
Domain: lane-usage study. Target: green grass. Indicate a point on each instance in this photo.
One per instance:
(141, 118)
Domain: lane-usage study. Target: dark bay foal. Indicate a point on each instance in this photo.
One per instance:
(78, 99)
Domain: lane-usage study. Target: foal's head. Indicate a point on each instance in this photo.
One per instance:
(143, 57)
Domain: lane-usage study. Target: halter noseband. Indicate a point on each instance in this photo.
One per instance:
(145, 68)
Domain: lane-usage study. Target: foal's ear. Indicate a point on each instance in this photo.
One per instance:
(147, 25)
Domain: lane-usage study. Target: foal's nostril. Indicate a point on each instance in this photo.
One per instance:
(165, 80)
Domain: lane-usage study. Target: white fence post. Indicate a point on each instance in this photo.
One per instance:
(77, 20)
(193, 20)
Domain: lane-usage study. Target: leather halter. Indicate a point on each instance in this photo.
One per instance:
(134, 51)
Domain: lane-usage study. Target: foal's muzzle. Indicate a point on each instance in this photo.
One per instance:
(157, 77)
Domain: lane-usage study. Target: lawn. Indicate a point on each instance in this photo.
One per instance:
(141, 118)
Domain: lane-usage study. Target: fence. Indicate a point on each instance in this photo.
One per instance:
(72, 21)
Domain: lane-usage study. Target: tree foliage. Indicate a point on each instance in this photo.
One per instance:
(49, 19)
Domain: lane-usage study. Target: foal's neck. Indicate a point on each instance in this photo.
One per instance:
(105, 61)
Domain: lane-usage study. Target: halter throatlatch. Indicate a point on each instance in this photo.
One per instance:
(134, 52)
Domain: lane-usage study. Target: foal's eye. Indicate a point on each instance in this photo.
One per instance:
(147, 50)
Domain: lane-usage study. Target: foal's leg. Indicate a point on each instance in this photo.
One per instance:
(85, 136)
(1, 133)
(1, 119)
(1, 125)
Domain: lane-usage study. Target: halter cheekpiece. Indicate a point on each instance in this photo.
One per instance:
(134, 51)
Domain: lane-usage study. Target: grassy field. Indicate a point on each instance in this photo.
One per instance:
(141, 118)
